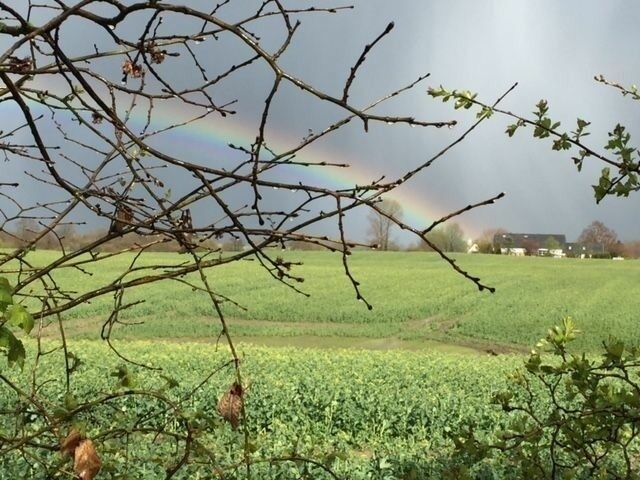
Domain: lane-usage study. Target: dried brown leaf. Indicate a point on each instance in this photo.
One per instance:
(230, 405)
(157, 56)
(86, 462)
(123, 217)
(96, 118)
(70, 443)
(133, 69)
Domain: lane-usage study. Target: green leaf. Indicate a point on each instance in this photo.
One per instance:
(542, 128)
(74, 361)
(126, 379)
(533, 363)
(511, 129)
(18, 316)
(13, 346)
(5, 294)
(614, 349)
(70, 401)
(61, 413)
(562, 143)
(485, 112)
(437, 92)
(171, 382)
(542, 107)
(464, 99)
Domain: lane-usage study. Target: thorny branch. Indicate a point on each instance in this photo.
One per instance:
(97, 123)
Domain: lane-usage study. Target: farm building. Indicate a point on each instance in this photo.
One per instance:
(520, 244)
(589, 250)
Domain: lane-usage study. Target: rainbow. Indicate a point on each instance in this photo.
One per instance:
(208, 133)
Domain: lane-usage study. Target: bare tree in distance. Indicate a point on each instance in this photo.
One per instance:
(531, 246)
(601, 239)
(599, 236)
(485, 240)
(88, 129)
(382, 221)
(632, 249)
(447, 238)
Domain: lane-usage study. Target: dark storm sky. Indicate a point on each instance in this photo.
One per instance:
(552, 49)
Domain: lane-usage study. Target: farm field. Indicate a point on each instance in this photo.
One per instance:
(418, 300)
(388, 414)
(365, 414)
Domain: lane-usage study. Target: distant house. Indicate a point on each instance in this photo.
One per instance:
(576, 249)
(589, 250)
(520, 244)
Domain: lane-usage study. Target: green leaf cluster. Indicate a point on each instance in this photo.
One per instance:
(569, 416)
(544, 126)
(13, 316)
(463, 99)
(621, 183)
(126, 378)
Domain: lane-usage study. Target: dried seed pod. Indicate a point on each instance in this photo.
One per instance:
(96, 118)
(20, 65)
(185, 223)
(86, 461)
(123, 218)
(230, 405)
(133, 69)
(70, 443)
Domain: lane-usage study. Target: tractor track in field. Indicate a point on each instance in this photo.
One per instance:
(430, 333)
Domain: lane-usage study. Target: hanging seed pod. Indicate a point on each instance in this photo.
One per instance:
(230, 405)
(123, 218)
(86, 461)
(70, 443)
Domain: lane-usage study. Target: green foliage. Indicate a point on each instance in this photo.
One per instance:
(551, 243)
(18, 316)
(416, 299)
(363, 414)
(448, 238)
(5, 294)
(511, 129)
(568, 416)
(126, 379)
(625, 159)
(544, 125)
(12, 347)
(12, 315)
(462, 99)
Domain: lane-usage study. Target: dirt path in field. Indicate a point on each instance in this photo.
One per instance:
(432, 334)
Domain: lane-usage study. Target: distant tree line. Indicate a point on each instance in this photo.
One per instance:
(596, 240)
(67, 237)
(602, 241)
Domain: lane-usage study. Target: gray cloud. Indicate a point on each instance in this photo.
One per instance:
(551, 48)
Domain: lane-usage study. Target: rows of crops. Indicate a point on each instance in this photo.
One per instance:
(415, 296)
(364, 414)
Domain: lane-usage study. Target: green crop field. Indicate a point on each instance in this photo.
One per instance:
(366, 414)
(417, 300)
